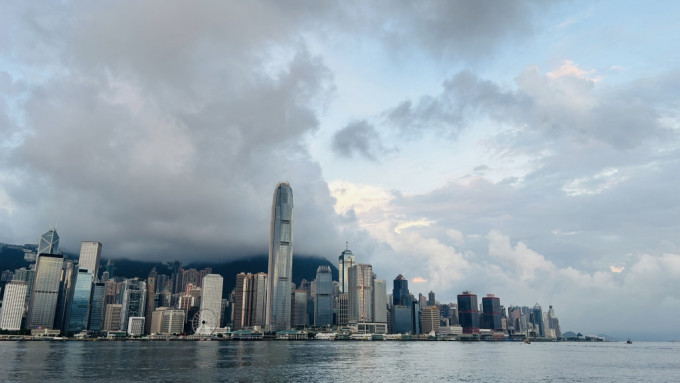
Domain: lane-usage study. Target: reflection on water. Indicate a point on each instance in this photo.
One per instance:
(337, 361)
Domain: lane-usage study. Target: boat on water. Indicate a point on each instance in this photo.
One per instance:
(527, 341)
(629, 341)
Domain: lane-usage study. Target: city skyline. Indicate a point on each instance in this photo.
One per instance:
(519, 148)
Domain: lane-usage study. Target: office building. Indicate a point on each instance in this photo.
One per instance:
(260, 299)
(66, 286)
(112, 317)
(323, 297)
(299, 308)
(45, 294)
(135, 326)
(90, 254)
(133, 301)
(536, 320)
(360, 284)
(168, 321)
(429, 319)
(243, 301)
(430, 299)
(345, 261)
(400, 294)
(491, 313)
(379, 301)
(211, 302)
(342, 309)
(280, 269)
(468, 312)
(13, 304)
(97, 308)
(80, 303)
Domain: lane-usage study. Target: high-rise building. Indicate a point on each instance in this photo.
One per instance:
(536, 319)
(66, 286)
(554, 323)
(112, 317)
(379, 301)
(97, 307)
(342, 307)
(323, 299)
(49, 242)
(167, 321)
(151, 289)
(429, 319)
(135, 326)
(45, 292)
(133, 302)
(468, 312)
(243, 301)
(280, 269)
(361, 293)
(491, 313)
(345, 261)
(211, 302)
(260, 299)
(13, 303)
(90, 253)
(430, 299)
(400, 294)
(80, 304)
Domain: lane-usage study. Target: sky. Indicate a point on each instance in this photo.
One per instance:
(527, 149)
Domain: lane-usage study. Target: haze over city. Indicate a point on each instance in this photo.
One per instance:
(524, 149)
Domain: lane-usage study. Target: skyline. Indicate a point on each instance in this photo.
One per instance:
(520, 148)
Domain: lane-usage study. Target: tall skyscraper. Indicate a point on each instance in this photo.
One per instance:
(133, 302)
(90, 253)
(400, 294)
(49, 242)
(259, 299)
(13, 305)
(536, 319)
(361, 293)
(280, 269)
(491, 313)
(379, 301)
(80, 304)
(112, 317)
(323, 300)
(45, 292)
(97, 308)
(430, 299)
(345, 261)
(468, 312)
(211, 302)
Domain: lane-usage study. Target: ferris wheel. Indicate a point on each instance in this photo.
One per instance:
(204, 322)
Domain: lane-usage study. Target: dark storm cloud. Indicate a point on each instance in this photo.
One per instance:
(358, 138)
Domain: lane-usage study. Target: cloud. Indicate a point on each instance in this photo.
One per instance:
(616, 269)
(358, 138)
(418, 280)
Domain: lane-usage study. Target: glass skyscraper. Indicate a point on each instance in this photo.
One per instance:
(323, 301)
(345, 261)
(45, 291)
(280, 269)
(49, 242)
(90, 253)
(80, 305)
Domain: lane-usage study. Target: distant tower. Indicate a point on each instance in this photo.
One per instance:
(49, 242)
(13, 305)
(379, 301)
(400, 292)
(323, 300)
(491, 313)
(345, 261)
(280, 269)
(430, 299)
(90, 253)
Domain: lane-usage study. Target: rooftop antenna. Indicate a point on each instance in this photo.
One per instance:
(346, 245)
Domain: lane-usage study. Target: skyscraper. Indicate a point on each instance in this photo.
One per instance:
(133, 302)
(90, 253)
(280, 269)
(379, 301)
(345, 261)
(491, 313)
(400, 292)
(323, 300)
(13, 305)
(45, 291)
(49, 242)
(468, 312)
(211, 302)
(97, 308)
(80, 304)
(361, 293)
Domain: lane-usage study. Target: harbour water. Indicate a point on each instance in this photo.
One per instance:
(325, 361)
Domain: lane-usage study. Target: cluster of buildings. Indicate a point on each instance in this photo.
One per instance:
(57, 295)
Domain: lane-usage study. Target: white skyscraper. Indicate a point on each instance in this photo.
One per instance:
(13, 305)
(280, 269)
(90, 252)
(211, 302)
(379, 301)
(45, 292)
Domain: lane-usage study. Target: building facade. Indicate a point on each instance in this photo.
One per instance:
(280, 269)
(468, 312)
(323, 297)
(361, 293)
(211, 302)
(13, 305)
(45, 292)
(345, 261)
(90, 254)
(80, 303)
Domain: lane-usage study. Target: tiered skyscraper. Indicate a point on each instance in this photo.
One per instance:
(345, 261)
(280, 269)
